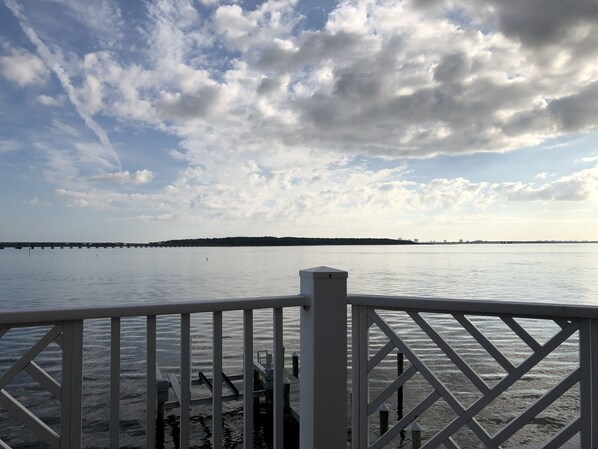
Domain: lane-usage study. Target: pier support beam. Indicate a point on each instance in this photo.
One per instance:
(323, 390)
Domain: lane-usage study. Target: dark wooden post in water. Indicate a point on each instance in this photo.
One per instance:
(383, 412)
(286, 384)
(416, 435)
(400, 369)
(296, 364)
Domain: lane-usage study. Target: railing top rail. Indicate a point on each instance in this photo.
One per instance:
(20, 317)
(476, 307)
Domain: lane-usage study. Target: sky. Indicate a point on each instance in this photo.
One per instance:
(431, 119)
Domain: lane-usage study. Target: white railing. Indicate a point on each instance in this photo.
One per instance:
(66, 330)
(379, 326)
(410, 322)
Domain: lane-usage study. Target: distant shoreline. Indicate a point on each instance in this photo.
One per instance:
(273, 241)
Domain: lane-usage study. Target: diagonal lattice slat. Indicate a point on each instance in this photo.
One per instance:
(404, 422)
(383, 352)
(466, 416)
(450, 353)
(394, 386)
(446, 394)
(485, 343)
(522, 333)
(535, 409)
(29, 419)
(44, 379)
(27, 364)
(503, 385)
(20, 364)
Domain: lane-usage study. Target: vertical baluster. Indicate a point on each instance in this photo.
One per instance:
(185, 379)
(217, 381)
(594, 370)
(150, 373)
(248, 379)
(278, 387)
(585, 383)
(114, 382)
(72, 385)
(359, 363)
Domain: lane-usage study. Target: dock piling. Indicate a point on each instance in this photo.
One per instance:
(400, 369)
(296, 364)
(383, 414)
(286, 385)
(416, 435)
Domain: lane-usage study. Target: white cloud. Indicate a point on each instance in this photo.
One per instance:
(48, 101)
(8, 145)
(272, 116)
(587, 159)
(162, 217)
(579, 186)
(124, 177)
(53, 58)
(23, 68)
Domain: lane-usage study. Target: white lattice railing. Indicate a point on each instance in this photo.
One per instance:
(411, 324)
(429, 333)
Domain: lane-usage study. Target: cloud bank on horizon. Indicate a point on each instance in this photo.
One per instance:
(417, 118)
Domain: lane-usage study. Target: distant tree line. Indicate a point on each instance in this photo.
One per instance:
(280, 241)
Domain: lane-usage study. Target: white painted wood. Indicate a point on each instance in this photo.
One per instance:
(536, 408)
(585, 383)
(185, 379)
(594, 380)
(114, 383)
(391, 389)
(485, 343)
(217, 381)
(405, 421)
(66, 391)
(450, 399)
(357, 364)
(23, 317)
(150, 383)
(501, 387)
(176, 387)
(20, 364)
(44, 379)
(560, 440)
(522, 333)
(450, 353)
(451, 444)
(248, 379)
(476, 307)
(379, 356)
(323, 331)
(72, 385)
(278, 375)
(31, 421)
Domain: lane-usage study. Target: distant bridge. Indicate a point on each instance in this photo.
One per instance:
(71, 245)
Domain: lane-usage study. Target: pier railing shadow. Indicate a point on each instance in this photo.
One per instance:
(549, 351)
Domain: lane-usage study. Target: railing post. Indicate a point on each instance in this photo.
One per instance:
(323, 381)
(72, 385)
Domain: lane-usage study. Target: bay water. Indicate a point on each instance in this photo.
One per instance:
(66, 278)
